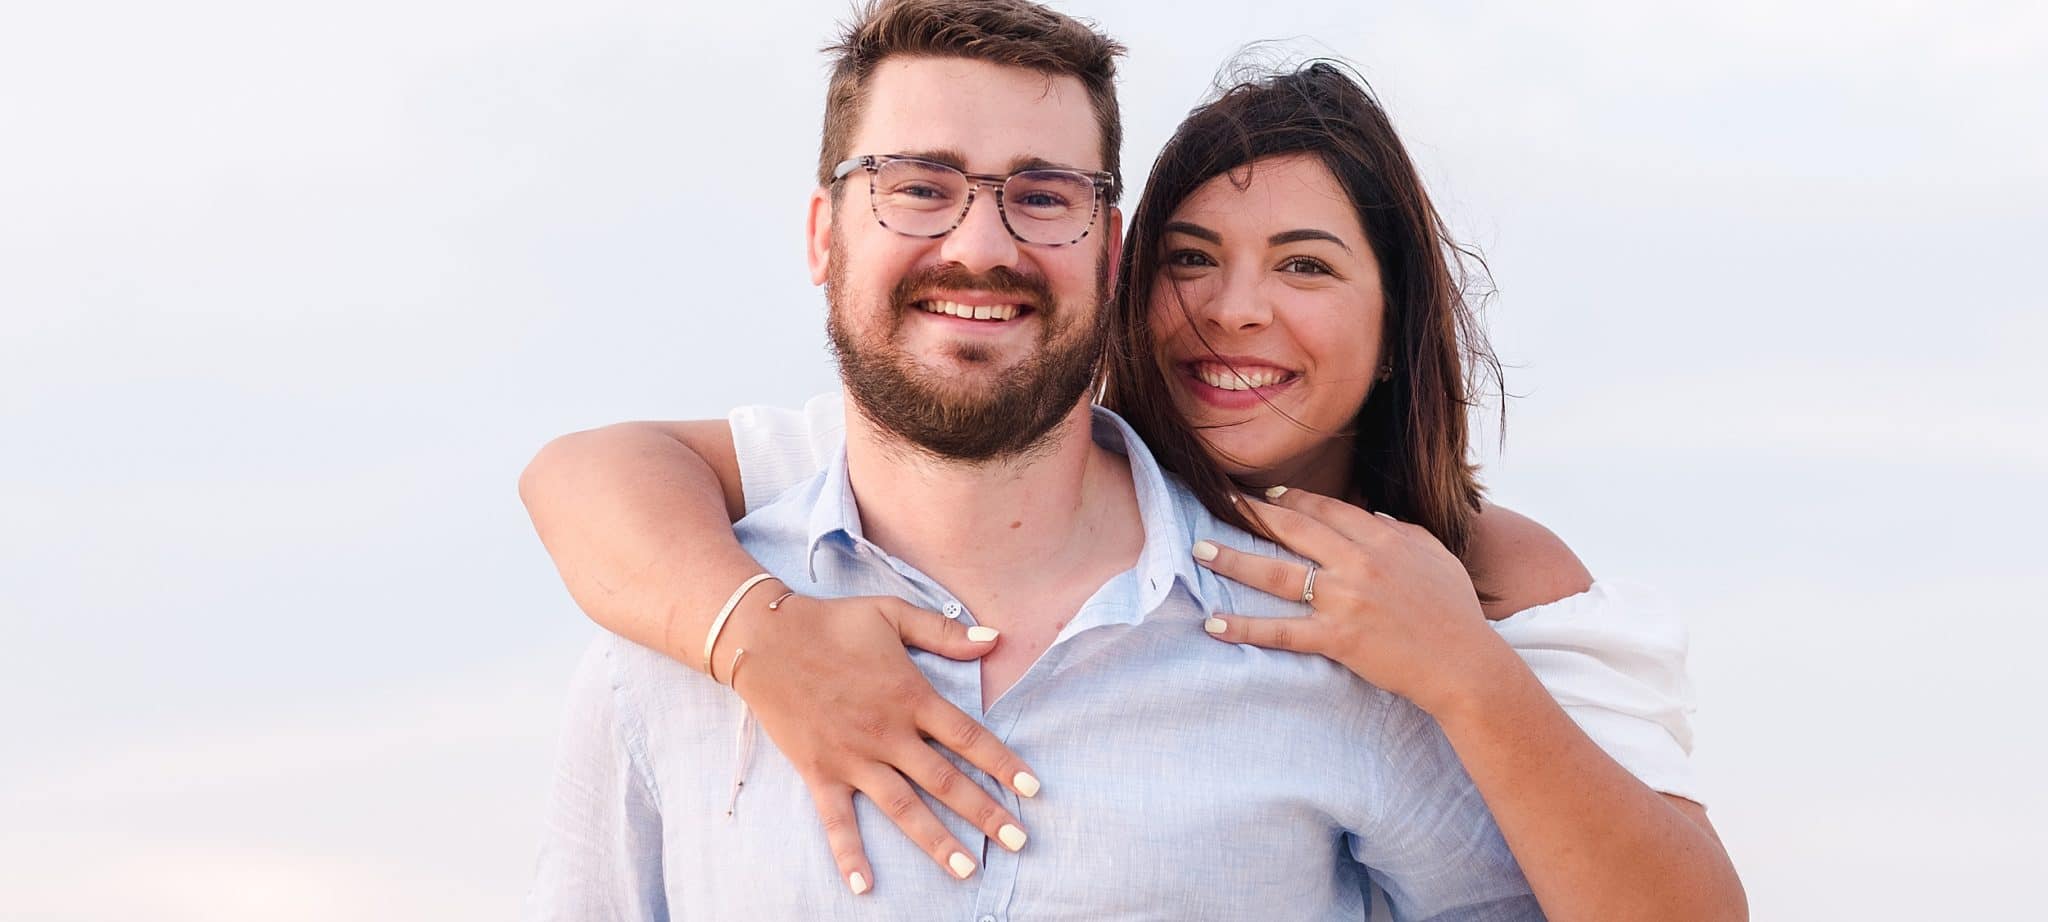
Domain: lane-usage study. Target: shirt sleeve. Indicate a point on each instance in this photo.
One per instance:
(600, 856)
(1614, 658)
(779, 448)
(1428, 843)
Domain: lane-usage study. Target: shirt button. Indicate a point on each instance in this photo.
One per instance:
(987, 919)
(953, 610)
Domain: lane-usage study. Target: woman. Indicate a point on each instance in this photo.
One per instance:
(1287, 321)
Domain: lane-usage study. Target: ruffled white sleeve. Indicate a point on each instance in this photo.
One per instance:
(1614, 657)
(779, 448)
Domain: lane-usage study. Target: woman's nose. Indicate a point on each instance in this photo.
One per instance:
(1238, 305)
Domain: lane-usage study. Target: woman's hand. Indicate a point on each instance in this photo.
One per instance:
(832, 685)
(1392, 604)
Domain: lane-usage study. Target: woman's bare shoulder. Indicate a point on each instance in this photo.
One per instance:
(1518, 564)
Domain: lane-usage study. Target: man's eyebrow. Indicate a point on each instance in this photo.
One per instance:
(1040, 163)
(1306, 233)
(1196, 231)
(949, 156)
(954, 158)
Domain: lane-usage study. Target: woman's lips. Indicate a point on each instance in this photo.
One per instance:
(1236, 385)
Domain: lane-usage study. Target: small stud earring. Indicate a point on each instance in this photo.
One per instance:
(1386, 372)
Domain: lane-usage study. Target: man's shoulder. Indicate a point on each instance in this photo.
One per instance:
(642, 686)
(1170, 506)
(1223, 595)
(785, 519)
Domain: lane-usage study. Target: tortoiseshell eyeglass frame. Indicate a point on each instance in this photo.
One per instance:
(1101, 182)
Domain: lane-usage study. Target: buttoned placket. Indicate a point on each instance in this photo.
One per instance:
(999, 867)
(996, 878)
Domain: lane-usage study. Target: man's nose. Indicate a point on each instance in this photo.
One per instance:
(981, 242)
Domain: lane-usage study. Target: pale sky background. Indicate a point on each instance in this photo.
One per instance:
(289, 295)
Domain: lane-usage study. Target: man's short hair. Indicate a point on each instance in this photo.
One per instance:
(1016, 33)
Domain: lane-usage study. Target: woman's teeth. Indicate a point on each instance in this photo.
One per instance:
(1222, 377)
(971, 311)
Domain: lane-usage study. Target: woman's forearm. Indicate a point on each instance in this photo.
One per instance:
(641, 530)
(1594, 841)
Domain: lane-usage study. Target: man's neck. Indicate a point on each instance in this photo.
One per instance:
(995, 529)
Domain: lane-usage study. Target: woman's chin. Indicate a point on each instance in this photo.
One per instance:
(1248, 459)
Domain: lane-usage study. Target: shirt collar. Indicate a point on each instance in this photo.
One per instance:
(1165, 508)
(834, 517)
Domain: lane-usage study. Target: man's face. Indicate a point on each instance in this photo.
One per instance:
(993, 384)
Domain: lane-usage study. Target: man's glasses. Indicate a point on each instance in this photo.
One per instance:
(920, 198)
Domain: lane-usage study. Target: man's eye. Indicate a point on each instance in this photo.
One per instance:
(1304, 264)
(1042, 200)
(919, 191)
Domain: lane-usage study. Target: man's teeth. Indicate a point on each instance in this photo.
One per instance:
(1222, 377)
(971, 311)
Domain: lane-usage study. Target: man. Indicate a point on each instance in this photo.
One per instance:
(964, 230)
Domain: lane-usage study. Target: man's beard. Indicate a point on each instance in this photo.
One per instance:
(1003, 415)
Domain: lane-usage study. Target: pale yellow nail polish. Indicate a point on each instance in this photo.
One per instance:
(963, 866)
(857, 883)
(980, 634)
(1012, 837)
(1386, 516)
(1025, 784)
(1215, 626)
(1275, 492)
(1205, 550)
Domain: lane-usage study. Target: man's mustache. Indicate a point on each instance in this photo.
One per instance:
(1030, 291)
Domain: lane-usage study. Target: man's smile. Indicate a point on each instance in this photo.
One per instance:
(997, 312)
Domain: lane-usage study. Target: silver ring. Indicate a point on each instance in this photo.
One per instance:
(1308, 586)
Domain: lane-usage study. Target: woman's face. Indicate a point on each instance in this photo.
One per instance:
(1266, 317)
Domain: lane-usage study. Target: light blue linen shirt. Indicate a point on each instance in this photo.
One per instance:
(1184, 778)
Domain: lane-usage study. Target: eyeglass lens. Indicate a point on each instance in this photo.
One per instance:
(928, 199)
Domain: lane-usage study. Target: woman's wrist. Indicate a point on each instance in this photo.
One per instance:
(755, 626)
(1483, 679)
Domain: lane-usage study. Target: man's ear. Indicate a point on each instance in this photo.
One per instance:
(1113, 248)
(818, 235)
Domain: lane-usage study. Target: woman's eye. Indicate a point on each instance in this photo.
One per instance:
(1306, 264)
(1186, 259)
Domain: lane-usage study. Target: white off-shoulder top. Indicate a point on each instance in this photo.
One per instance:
(1613, 656)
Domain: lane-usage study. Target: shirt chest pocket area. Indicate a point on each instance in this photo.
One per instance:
(1177, 834)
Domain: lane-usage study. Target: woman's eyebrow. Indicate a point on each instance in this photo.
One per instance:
(1307, 233)
(1196, 231)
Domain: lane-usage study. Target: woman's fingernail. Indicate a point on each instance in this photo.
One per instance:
(1025, 783)
(1205, 550)
(857, 883)
(980, 634)
(1386, 516)
(1215, 626)
(1013, 838)
(963, 866)
(1275, 492)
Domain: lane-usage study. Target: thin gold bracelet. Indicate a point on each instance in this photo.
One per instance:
(733, 671)
(724, 614)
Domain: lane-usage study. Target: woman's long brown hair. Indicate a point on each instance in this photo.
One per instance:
(1410, 445)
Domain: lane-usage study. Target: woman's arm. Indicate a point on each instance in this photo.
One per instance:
(1396, 607)
(613, 504)
(638, 518)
